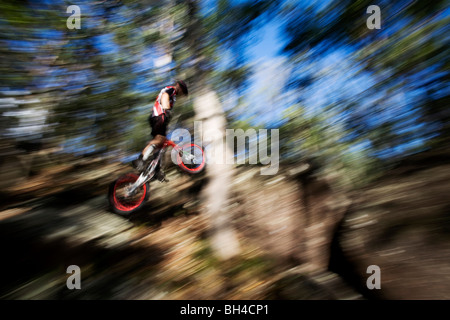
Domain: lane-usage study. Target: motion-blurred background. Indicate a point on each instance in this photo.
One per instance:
(363, 118)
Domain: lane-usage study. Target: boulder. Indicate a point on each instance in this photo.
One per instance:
(402, 225)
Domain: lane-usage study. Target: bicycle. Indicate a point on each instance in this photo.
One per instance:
(129, 192)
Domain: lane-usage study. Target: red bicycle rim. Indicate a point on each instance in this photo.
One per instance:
(201, 165)
(128, 206)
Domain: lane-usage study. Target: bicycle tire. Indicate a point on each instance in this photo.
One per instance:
(125, 206)
(192, 167)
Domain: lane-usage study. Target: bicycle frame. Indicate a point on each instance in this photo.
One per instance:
(149, 171)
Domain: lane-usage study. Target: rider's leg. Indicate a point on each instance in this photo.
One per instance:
(150, 149)
(153, 145)
(159, 128)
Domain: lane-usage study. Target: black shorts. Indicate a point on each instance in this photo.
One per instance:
(158, 124)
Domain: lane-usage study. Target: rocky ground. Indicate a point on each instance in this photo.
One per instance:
(300, 239)
(401, 224)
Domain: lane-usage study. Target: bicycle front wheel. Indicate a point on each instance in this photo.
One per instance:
(123, 203)
(191, 158)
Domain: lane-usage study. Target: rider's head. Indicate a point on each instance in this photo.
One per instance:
(181, 87)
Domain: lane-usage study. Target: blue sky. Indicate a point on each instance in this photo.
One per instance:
(270, 74)
(270, 43)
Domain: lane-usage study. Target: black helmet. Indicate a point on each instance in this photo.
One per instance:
(183, 86)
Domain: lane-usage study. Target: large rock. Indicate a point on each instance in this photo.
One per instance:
(402, 225)
(291, 216)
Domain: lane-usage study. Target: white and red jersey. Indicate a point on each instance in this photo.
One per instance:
(157, 107)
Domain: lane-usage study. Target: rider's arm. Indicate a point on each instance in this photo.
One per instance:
(165, 102)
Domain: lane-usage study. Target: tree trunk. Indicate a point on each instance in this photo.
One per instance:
(219, 170)
(215, 195)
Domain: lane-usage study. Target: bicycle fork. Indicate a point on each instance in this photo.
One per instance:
(144, 176)
(139, 182)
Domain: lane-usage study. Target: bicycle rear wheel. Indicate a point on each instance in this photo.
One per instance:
(191, 158)
(122, 203)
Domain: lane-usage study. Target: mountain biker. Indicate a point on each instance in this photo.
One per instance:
(159, 119)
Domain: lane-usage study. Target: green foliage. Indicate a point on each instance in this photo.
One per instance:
(408, 54)
(319, 139)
